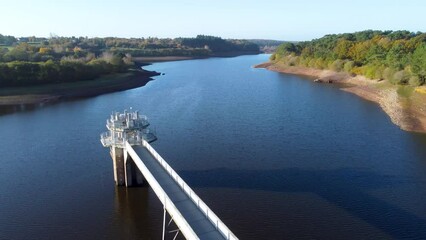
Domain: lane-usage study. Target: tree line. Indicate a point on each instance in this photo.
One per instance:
(33, 61)
(397, 56)
(19, 73)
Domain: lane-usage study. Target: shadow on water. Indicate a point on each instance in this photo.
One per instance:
(131, 209)
(346, 188)
(139, 215)
(8, 109)
(419, 141)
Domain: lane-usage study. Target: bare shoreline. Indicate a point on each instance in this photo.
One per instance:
(54, 92)
(148, 60)
(163, 59)
(34, 95)
(408, 112)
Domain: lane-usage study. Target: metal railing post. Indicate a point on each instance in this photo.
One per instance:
(164, 220)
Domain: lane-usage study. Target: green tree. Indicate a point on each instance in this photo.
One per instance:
(418, 63)
(397, 57)
(342, 48)
(393, 55)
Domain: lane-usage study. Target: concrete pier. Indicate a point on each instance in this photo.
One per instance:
(117, 155)
(133, 177)
(126, 172)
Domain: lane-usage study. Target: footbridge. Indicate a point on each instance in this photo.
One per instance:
(136, 162)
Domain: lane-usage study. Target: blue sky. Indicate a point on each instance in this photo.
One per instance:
(268, 19)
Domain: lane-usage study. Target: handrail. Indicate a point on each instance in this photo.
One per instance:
(107, 139)
(180, 221)
(214, 219)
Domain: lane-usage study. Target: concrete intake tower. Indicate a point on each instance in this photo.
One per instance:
(131, 127)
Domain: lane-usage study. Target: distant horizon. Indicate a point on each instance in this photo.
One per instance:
(284, 40)
(237, 19)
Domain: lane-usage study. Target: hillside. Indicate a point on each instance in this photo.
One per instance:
(386, 67)
(29, 61)
(397, 56)
(266, 45)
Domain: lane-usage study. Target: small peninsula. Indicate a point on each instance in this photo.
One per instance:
(386, 67)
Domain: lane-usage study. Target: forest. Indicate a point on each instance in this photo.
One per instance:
(396, 56)
(33, 61)
(266, 45)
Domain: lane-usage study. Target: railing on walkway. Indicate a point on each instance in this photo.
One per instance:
(214, 219)
(180, 221)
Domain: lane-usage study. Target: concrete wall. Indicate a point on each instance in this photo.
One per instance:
(126, 172)
(117, 155)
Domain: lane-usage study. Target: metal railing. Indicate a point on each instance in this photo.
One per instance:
(107, 140)
(120, 125)
(131, 120)
(214, 219)
(180, 221)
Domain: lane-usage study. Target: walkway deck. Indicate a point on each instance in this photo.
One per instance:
(179, 196)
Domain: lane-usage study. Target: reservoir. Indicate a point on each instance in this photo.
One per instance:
(275, 156)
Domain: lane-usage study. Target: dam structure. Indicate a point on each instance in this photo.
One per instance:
(136, 162)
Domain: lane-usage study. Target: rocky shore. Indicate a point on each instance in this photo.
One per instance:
(406, 106)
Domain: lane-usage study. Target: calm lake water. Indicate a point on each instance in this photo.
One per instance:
(275, 156)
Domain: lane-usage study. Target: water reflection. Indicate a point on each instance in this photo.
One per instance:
(348, 189)
(419, 143)
(133, 215)
(8, 109)
(139, 214)
(315, 167)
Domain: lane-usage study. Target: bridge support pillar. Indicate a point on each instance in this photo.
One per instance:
(117, 155)
(126, 173)
(128, 128)
(134, 176)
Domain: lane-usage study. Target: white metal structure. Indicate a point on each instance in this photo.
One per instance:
(179, 200)
(192, 216)
(128, 126)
